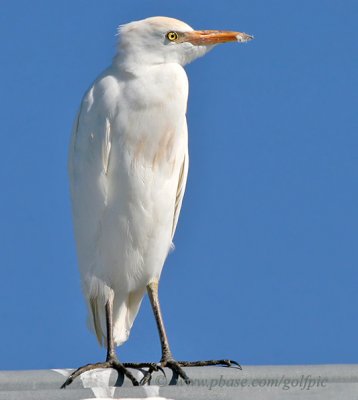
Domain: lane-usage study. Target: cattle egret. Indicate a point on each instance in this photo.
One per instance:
(128, 166)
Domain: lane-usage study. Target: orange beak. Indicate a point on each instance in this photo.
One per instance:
(214, 37)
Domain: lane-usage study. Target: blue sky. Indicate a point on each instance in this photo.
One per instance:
(265, 267)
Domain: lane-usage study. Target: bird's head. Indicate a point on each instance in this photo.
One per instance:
(159, 40)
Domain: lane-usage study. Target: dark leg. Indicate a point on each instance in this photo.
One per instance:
(111, 353)
(167, 359)
(111, 360)
(152, 289)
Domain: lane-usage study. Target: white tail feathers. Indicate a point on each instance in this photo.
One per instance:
(125, 309)
(124, 313)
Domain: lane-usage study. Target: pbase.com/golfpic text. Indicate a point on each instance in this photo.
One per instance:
(304, 382)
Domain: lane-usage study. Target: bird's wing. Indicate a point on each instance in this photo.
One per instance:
(183, 174)
(89, 161)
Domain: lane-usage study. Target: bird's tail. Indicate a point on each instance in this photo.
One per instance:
(125, 309)
(124, 314)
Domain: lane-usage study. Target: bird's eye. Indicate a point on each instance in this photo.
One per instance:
(172, 36)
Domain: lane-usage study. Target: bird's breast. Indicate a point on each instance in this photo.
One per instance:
(155, 150)
(153, 124)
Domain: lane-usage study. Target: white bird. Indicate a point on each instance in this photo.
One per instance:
(128, 165)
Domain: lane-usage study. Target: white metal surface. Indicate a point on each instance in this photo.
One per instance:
(253, 382)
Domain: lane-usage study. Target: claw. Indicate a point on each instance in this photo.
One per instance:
(128, 374)
(176, 367)
(66, 383)
(235, 363)
(146, 378)
(161, 370)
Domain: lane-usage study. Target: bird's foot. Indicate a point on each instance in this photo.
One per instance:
(110, 363)
(176, 366)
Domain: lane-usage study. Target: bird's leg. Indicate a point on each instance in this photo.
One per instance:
(111, 359)
(167, 359)
(111, 353)
(152, 289)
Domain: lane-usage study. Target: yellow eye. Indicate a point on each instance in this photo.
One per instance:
(172, 36)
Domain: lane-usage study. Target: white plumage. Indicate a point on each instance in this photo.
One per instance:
(128, 166)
